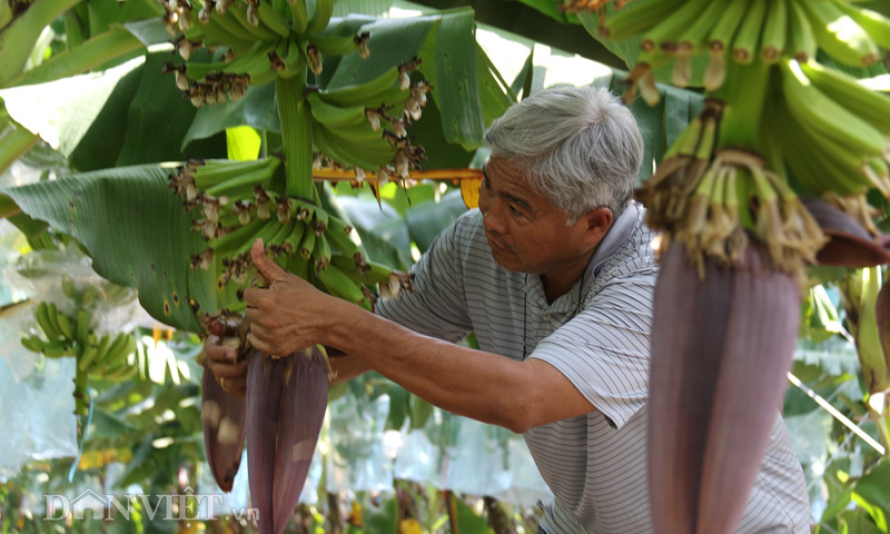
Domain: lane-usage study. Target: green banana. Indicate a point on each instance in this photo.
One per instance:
(801, 36)
(815, 110)
(231, 242)
(839, 35)
(229, 22)
(29, 343)
(722, 34)
(340, 285)
(260, 31)
(252, 60)
(320, 18)
(215, 34)
(121, 350)
(43, 319)
(272, 19)
(875, 24)
(775, 31)
(66, 326)
(293, 239)
(866, 104)
(334, 45)
(299, 15)
(635, 19)
(745, 43)
(215, 172)
(242, 185)
(87, 357)
(367, 94)
(332, 116)
(307, 244)
(322, 253)
(671, 27)
(331, 148)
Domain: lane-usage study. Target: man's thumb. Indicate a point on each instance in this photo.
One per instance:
(268, 268)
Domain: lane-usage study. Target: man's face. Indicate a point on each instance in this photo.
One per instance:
(525, 232)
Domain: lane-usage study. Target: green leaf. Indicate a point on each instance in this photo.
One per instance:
(494, 93)
(456, 89)
(382, 520)
(468, 522)
(871, 492)
(421, 411)
(135, 230)
(158, 120)
(426, 221)
(257, 109)
(393, 41)
(62, 111)
(398, 406)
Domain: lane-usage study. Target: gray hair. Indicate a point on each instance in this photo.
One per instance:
(580, 148)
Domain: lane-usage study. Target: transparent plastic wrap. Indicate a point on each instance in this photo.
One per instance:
(481, 464)
(11, 241)
(16, 321)
(357, 460)
(219, 504)
(38, 421)
(526, 487)
(66, 278)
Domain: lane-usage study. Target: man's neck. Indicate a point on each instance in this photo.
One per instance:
(558, 283)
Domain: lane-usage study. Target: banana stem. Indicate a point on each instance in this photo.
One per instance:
(296, 134)
(15, 144)
(92, 53)
(744, 92)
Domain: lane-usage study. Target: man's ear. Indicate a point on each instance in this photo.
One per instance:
(597, 221)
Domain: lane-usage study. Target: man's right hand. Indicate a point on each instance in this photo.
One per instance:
(230, 375)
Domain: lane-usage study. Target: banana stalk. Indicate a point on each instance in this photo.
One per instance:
(15, 141)
(861, 295)
(296, 134)
(720, 350)
(18, 38)
(93, 53)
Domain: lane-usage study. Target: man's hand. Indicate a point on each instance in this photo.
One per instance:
(287, 316)
(231, 376)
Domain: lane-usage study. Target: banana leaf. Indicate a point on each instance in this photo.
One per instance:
(137, 233)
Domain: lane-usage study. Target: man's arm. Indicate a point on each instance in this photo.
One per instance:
(481, 385)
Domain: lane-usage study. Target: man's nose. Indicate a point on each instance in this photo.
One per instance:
(492, 218)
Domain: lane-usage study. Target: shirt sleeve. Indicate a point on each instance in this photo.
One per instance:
(437, 305)
(604, 350)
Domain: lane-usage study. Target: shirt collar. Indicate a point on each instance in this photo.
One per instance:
(616, 237)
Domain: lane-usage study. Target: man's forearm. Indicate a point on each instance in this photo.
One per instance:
(476, 384)
(345, 366)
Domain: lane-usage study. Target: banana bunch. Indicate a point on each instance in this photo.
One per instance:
(64, 335)
(263, 41)
(700, 195)
(306, 239)
(769, 30)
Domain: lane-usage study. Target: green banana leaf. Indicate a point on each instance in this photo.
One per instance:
(137, 233)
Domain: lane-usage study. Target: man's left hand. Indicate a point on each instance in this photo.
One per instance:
(288, 315)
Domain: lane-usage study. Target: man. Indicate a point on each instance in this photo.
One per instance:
(554, 273)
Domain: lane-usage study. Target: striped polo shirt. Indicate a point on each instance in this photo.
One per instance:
(597, 335)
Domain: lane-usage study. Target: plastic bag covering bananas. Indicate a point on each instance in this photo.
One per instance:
(739, 31)
(64, 335)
